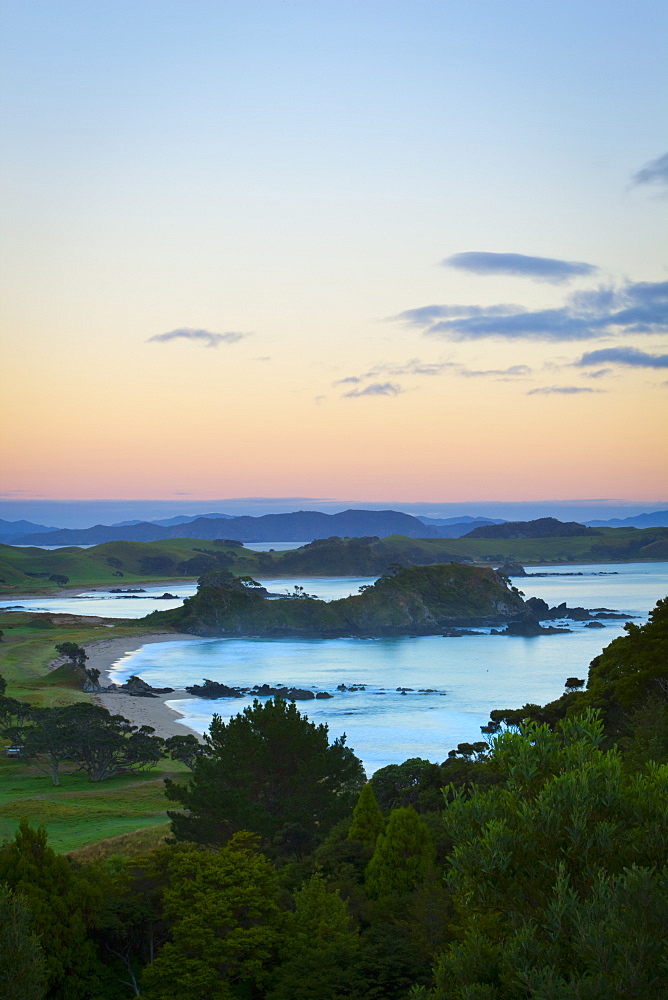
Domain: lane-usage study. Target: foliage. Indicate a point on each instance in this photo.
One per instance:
(367, 822)
(187, 749)
(70, 650)
(22, 965)
(64, 906)
(99, 743)
(319, 944)
(541, 867)
(266, 767)
(403, 855)
(223, 915)
(632, 666)
(397, 784)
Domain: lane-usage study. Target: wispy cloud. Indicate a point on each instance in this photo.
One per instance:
(515, 371)
(428, 369)
(637, 307)
(376, 389)
(624, 356)
(564, 390)
(520, 265)
(599, 373)
(426, 315)
(204, 337)
(654, 172)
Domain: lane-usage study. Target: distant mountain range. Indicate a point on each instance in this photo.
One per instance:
(298, 526)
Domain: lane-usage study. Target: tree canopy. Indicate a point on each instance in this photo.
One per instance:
(267, 767)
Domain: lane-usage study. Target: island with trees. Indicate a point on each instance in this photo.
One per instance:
(419, 600)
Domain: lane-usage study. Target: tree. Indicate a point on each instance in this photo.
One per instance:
(397, 784)
(75, 654)
(22, 965)
(403, 856)
(45, 739)
(267, 767)
(186, 749)
(103, 745)
(559, 875)
(63, 905)
(223, 911)
(319, 944)
(60, 579)
(367, 822)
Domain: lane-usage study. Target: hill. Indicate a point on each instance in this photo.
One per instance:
(299, 526)
(653, 519)
(542, 527)
(419, 600)
(34, 570)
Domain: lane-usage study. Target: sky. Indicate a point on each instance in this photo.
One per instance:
(383, 250)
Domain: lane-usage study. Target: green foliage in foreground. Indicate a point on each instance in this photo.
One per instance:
(223, 911)
(559, 876)
(62, 908)
(21, 962)
(552, 886)
(268, 770)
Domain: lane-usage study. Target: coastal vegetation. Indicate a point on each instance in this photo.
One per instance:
(124, 564)
(529, 864)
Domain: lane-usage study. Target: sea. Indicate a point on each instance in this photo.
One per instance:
(414, 696)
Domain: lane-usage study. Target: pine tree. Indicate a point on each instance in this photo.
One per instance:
(319, 945)
(403, 855)
(367, 820)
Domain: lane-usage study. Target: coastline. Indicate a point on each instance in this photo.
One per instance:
(139, 711)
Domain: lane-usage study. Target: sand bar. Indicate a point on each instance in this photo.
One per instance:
(140, 711)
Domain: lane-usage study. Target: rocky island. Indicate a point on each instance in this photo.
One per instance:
(420, 600)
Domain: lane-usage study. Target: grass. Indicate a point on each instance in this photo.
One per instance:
(78, 814)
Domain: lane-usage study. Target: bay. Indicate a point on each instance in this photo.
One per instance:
(454, 682)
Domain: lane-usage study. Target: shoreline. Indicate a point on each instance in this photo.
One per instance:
(139, 711)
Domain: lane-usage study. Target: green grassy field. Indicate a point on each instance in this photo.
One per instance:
(79, 814)
(118, 815)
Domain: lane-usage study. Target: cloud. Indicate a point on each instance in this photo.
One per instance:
(624, 356)
(351, 379)
(655, 172)
(637, 307)
(426, 315)
(519, 265)
(565, 390)
(376, 389)
(599, 373)
(204, 336)
(515, 371)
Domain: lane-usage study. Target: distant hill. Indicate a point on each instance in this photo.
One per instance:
(543, 527)
(457, 529)
(300, 526)
(655, 519)
(14, 530)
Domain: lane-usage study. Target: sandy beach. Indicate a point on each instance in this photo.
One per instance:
(140, 711)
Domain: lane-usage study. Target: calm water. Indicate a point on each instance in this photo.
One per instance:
(469, 675)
